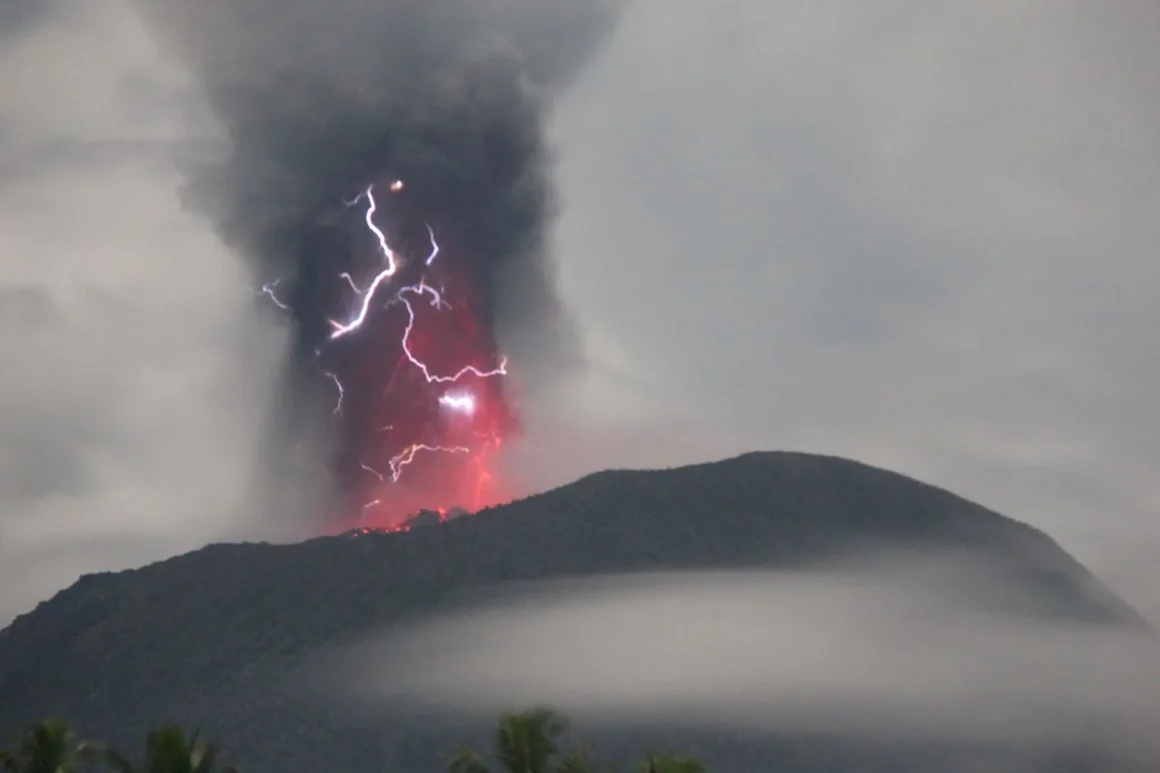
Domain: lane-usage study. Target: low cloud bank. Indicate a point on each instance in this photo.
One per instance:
(911, 649)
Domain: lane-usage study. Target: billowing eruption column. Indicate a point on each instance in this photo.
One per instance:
(386, 175)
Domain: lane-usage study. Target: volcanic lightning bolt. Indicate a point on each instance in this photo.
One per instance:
(268, 291)
(341, 393)
(464, 403)
(395, 296)
(437, 299)
(408, 456)
(388, 271)
(467, 416)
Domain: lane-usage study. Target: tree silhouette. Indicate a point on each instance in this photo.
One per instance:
(168, 750)
(525, 742)
(48, 747)
(529, 742)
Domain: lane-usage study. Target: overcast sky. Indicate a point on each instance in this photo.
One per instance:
(921, 235)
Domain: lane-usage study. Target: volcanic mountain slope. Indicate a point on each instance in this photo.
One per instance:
(207, 639)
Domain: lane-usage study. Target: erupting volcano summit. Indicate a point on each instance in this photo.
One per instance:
(384, 170)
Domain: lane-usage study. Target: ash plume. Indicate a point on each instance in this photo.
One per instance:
(320, 99)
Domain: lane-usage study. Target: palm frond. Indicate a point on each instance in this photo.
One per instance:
(525, 742)
(46, 747)
(167, 750)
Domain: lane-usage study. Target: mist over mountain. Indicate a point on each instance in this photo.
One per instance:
(228, 638)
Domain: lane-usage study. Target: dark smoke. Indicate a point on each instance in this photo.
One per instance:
(319, 98)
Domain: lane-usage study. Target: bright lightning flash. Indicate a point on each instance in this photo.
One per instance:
(268, 291)
(437, 299)
(392, 264)
(408, 455)
(460, 401)
(341, 393)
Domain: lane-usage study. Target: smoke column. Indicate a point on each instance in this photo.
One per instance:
(388, 180)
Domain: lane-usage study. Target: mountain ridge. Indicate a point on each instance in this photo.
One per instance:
(206, 638)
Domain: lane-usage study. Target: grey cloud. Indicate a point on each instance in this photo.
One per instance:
(132, 383)
(25, 162)
(916, 235)
(17, 17)
(319, 101)
(26, 309)
(919, 235)
(35, 467)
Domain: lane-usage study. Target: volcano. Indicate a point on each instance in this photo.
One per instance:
(214, 639)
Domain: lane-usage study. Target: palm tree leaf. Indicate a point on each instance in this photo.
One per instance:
(526, 742)
(46, 747)
(167, 750)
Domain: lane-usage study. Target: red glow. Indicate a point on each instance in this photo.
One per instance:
(404, 450)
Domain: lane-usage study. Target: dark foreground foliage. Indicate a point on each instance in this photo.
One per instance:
(526, 742)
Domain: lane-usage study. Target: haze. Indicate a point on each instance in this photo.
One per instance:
(889, 645)
(917, 235)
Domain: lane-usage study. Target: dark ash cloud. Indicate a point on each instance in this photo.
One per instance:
(320, 100)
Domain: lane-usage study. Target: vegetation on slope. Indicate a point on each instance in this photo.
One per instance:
(213, 639)
(524, 742)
